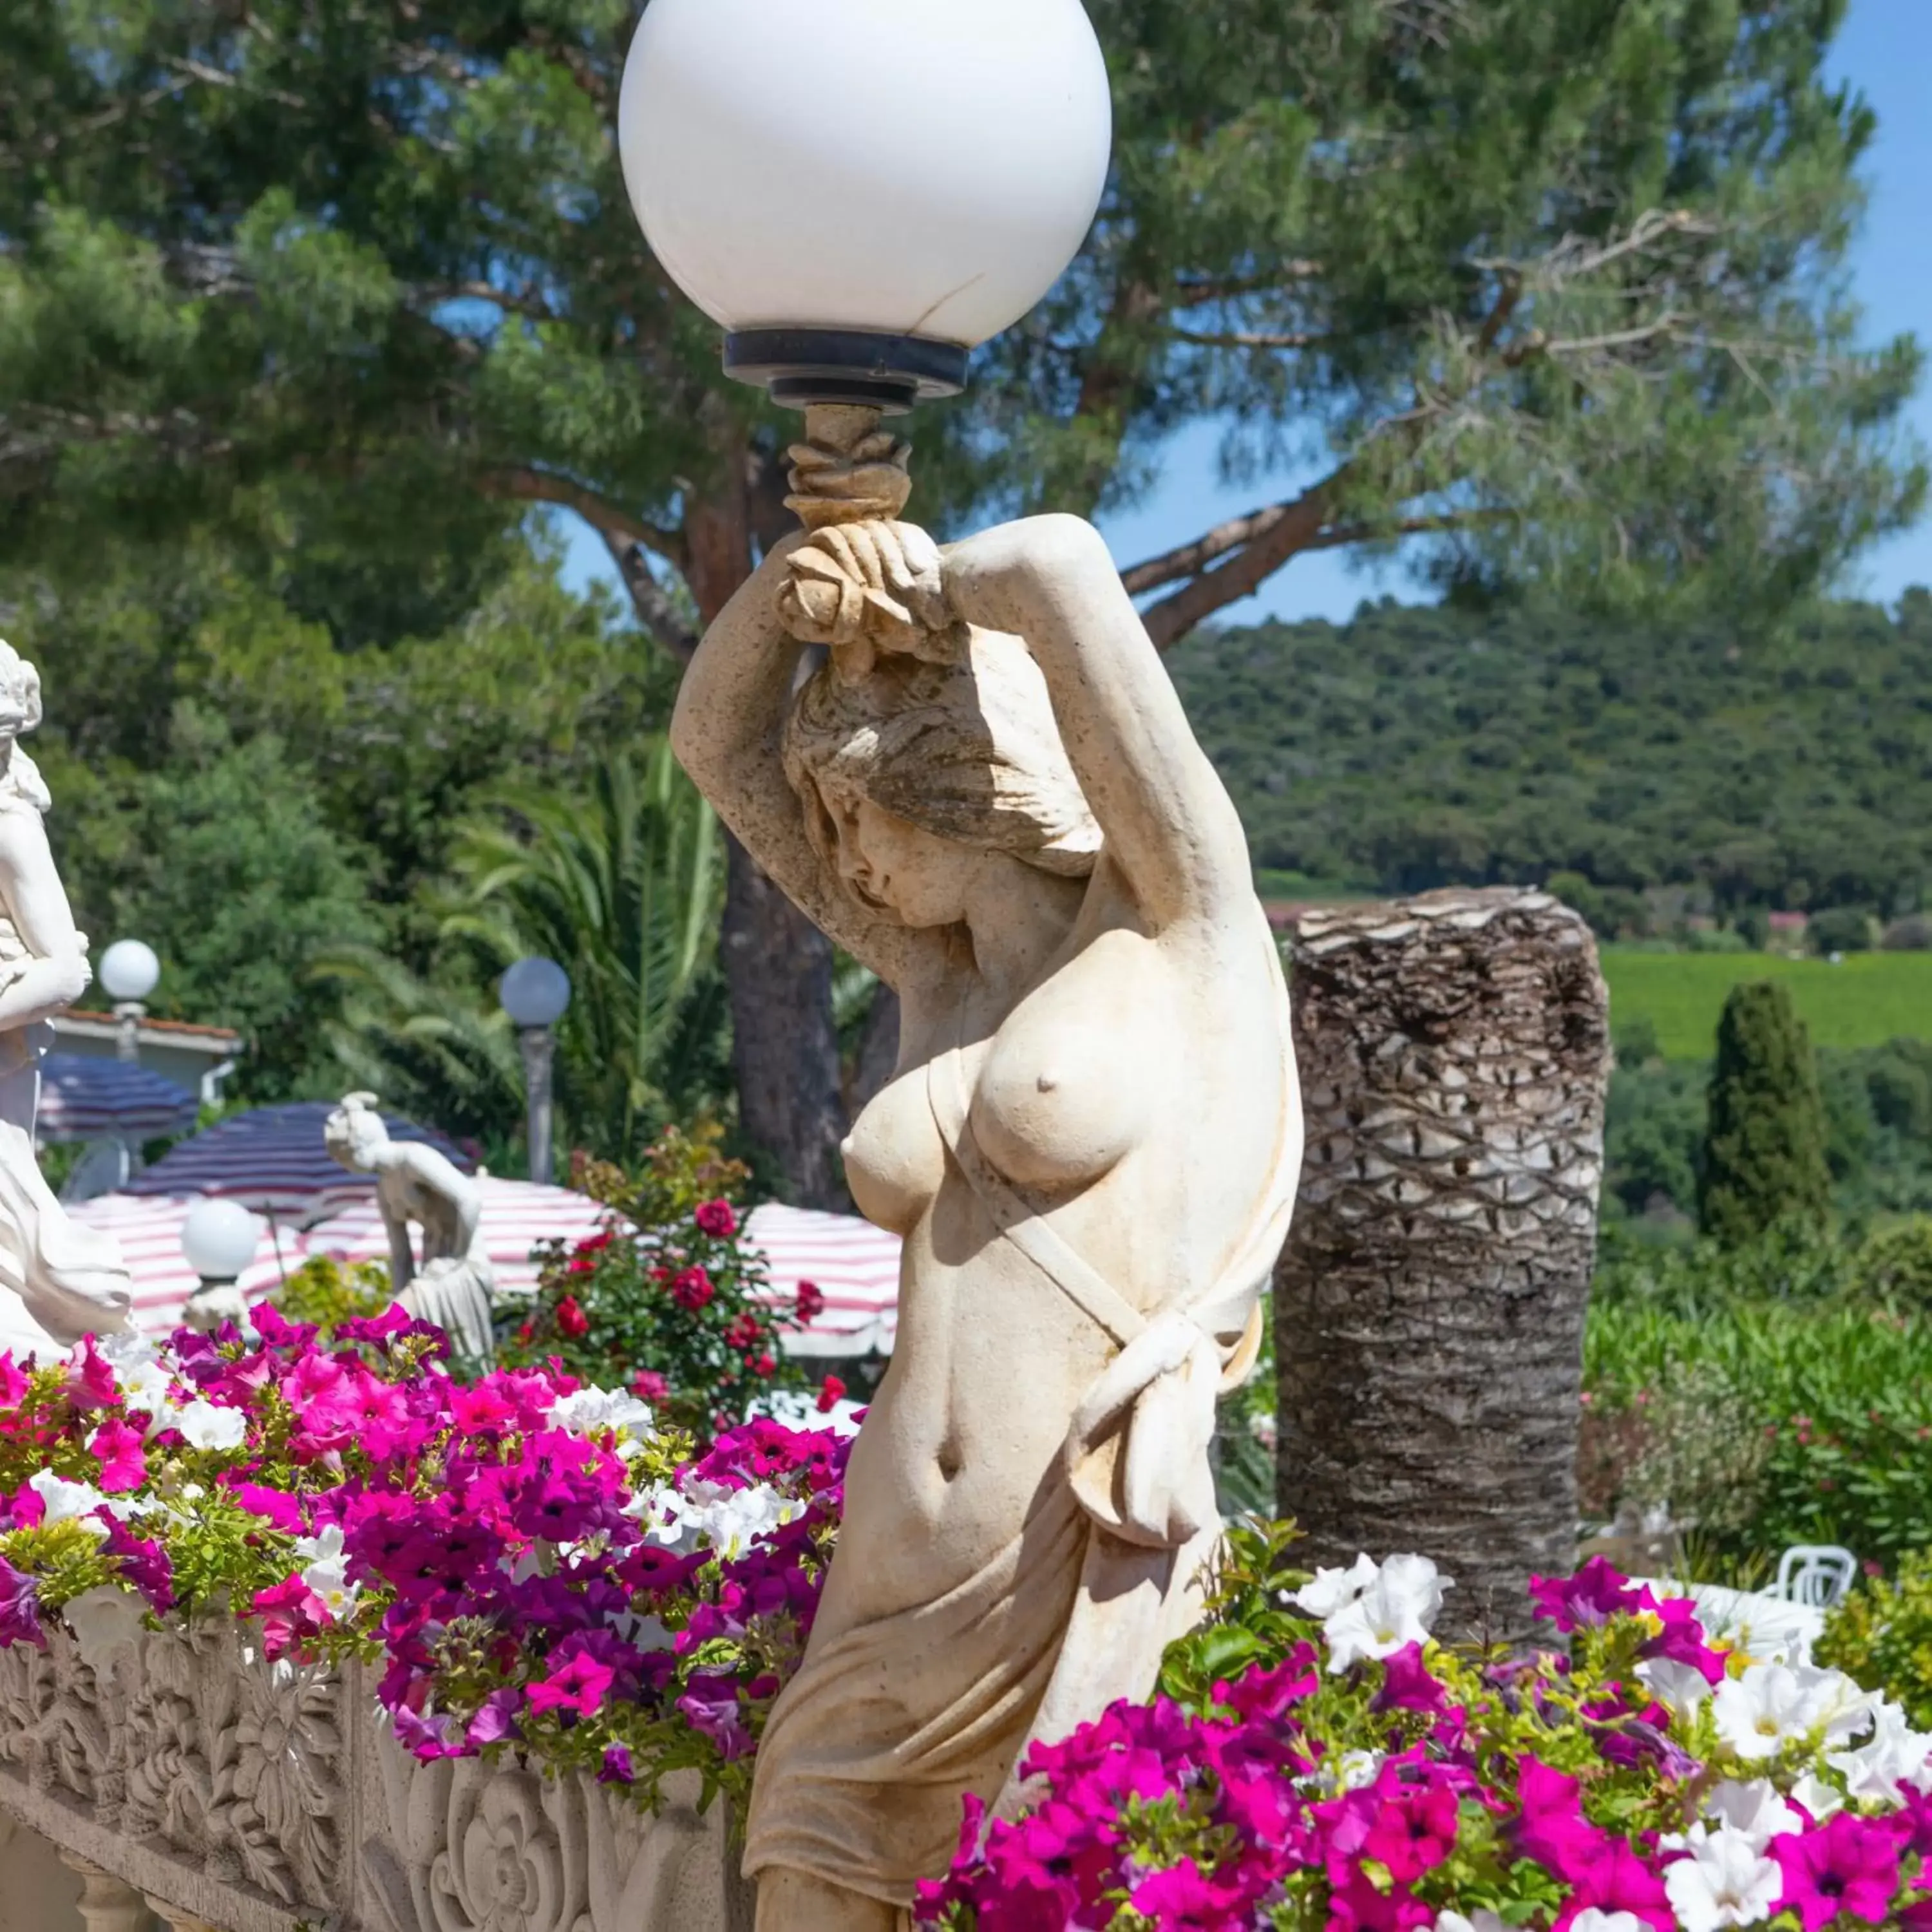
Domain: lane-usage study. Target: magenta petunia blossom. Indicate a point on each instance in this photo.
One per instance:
(1847, 1867)
(124, 1462)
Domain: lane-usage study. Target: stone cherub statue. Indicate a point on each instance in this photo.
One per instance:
(58, 1279)
(986, 789)
(455, 1284)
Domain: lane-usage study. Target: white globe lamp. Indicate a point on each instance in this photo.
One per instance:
(860, 192)
(536, 992)
(129, 970)
(219, 1238)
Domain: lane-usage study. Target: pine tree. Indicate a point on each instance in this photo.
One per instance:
(1548, 291)
(1764, 1147)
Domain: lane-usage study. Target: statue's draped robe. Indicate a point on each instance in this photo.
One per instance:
(872, 1746)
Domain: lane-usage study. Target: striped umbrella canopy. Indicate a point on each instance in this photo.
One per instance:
(84, 1099)
(516, 1215)
(272, 1160)
(148, 1228)
(854, 1264)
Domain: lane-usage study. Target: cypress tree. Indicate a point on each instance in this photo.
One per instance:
(1764, 1144)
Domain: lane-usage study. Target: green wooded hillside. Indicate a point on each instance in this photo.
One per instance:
(1418, 746)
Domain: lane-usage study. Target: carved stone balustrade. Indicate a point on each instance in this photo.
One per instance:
(177, 1771)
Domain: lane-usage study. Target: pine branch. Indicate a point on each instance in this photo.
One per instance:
(542, 486)
(663, 622)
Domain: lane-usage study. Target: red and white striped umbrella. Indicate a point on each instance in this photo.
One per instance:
(854, 1264)
(148, 1228)
(83, 1099)
(516, 1215)
(272, 1160)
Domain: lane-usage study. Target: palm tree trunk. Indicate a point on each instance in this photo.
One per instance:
(1430, 1305)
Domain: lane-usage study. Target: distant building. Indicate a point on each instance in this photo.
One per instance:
(198, 1057)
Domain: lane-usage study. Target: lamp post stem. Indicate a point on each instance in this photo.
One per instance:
(128, 1043)
(539, 1049)
(841, 426)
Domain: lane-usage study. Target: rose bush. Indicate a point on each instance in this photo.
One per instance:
(532, 1559)
(669, 1298)
(1315, 1762)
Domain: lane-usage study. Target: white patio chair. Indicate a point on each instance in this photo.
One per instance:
(1819, 1575)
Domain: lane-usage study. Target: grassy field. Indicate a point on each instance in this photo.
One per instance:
(1872, 997)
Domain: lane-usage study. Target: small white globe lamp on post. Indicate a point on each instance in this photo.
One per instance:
(535, 993)
(219, 1239)
(860, 192)
(129, 973)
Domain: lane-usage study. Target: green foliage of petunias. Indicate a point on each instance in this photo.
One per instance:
(1764, 1147)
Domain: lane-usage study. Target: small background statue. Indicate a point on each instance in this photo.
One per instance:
(454, 1285)
(984, 788)
(58, 1280)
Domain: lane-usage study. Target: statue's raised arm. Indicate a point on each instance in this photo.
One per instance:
(970, 768)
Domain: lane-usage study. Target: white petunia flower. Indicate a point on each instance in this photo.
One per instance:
(1680, 1688)
(1481, 1920)
(1817, 1797)
(1894, 1757)
(63, 1502)
(1772, 1705)
(326, 1569)
(589, 1410)
(203, 1426)
(1333, 1590)
(1756, 1809)
(707, 1515)
(1593, 1918)
(1395, 1611)
(1726, 1881)
(1353, 1771)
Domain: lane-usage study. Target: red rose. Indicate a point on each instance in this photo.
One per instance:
(745, 1333)
(692, 1289)
(810, 1301)
(526, 1333)
(571, 1319)
(831, 1392)
(583, 1264)
(715, 1218)
(766, 1365)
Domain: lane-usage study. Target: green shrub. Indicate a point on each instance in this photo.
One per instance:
(1882, 1635)
(1694, 1443)
(1894, 1266)
(324, 1293)
(1839, 1391)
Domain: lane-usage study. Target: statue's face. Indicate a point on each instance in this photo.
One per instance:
(896, 868)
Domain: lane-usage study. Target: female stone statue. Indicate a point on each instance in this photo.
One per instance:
(988, 792)
(414, 1183)
(61, 1280)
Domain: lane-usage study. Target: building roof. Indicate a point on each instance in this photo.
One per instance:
(218, 1042)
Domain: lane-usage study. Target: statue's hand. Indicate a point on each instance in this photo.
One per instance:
(867, 588)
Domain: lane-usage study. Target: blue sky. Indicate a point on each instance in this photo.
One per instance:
(1885, 53)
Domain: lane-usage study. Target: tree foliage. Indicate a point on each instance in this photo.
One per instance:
(1764, 1147)
(1550, 292)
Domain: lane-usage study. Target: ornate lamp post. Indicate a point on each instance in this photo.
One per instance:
(535, 994)
(219, 1239)
(129, 973)
(859, 193)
